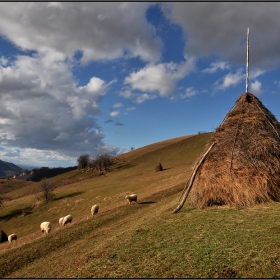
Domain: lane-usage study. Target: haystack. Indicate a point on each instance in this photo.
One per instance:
(240, 166)
(3, 236)
(158, 167)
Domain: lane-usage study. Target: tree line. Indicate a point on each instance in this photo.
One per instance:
(100, 163)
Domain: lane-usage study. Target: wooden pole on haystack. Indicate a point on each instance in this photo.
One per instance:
(247, 63)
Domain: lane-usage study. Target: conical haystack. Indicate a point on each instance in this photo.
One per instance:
(158, 167)
(241, 165)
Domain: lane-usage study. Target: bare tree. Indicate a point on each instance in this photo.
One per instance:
(1, 201)
(83, 161)
(103, 161)
(47, 188)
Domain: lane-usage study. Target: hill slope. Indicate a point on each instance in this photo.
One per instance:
(8, 169)
(143, 240)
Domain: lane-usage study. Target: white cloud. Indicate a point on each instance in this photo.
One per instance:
(216, 35)
(131, 109)
(41, 108)
(140, 98)
(215, 66)
(231, 79)
(126, 94)
(114, 113)
(101, 31)
(256, 73)
(189, 93)
(159, 78)
(3, 61)
(117, 105)
(256, 87)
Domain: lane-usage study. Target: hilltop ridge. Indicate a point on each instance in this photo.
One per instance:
(8, 169)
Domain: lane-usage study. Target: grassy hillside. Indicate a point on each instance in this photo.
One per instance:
(141, 240)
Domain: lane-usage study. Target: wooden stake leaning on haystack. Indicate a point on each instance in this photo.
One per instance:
(240, 166)
(190, 182)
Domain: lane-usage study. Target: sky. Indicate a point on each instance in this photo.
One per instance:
(105, 77)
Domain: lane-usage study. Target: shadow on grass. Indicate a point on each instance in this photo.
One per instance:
(68, 195)
(17, 212)
(146, 202)
(124, 166)
(166, 168)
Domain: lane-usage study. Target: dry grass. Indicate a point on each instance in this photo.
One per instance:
(144, 240)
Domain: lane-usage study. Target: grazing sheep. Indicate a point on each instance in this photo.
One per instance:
(94, 209)
(46, 227)
(131, 198)
(67, 219)
(12, 237)
(61, 221)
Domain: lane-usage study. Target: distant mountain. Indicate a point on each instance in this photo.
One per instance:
(28, 166)
(8, 169)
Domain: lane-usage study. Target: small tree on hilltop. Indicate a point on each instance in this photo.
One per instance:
(47, 188)
(83, 161)
(103, 161)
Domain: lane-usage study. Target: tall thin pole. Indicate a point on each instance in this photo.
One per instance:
(247, 62)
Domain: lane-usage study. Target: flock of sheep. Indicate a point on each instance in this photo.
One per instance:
(47, 226)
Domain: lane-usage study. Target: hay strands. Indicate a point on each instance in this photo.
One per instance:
(189, 184)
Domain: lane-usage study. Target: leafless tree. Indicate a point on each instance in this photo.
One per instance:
(83, 161)
(47, 188)
(103, 162)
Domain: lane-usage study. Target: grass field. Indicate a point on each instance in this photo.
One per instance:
(144, 240)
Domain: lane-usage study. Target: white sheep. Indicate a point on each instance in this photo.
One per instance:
(67, 219)
(94, 209)
(61, 221)
(131, 198)
(12, 237)
(46, 227)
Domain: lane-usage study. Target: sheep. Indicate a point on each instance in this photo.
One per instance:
(12, 237)
(46, 227)
(61, 221)
(131, 198)
(94, 209)
(67, 219)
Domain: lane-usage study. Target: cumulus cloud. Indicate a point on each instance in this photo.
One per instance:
(100, 31)
(114, 113)
(256, 87)
(231, 79)
(156, 79)
(216, 34)
(42, 108)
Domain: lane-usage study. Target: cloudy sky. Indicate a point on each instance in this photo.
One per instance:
(101, 77)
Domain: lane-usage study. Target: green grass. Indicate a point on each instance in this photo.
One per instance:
(144, 240)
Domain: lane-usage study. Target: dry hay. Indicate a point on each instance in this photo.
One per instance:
(243, 167)
(158, 167)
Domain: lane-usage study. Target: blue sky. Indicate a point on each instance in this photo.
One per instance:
(97, 77)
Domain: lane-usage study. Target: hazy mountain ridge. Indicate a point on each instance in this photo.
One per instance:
(9, 169)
